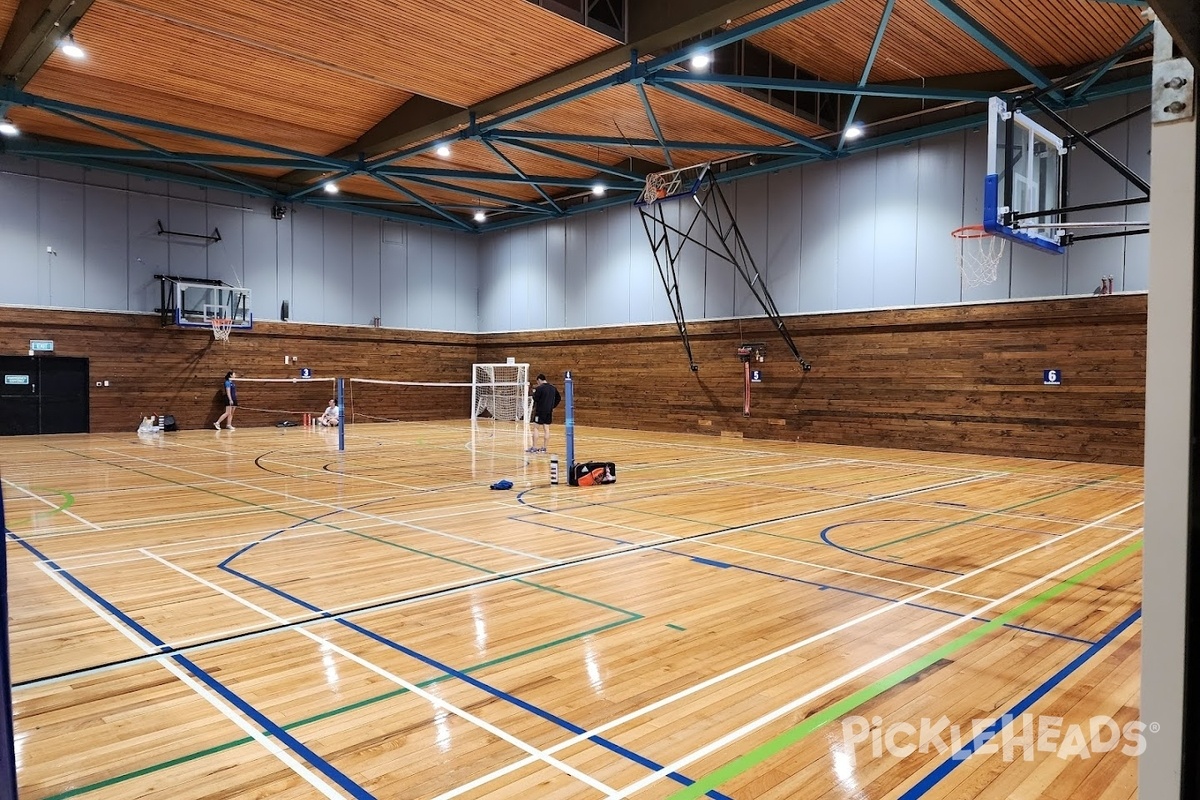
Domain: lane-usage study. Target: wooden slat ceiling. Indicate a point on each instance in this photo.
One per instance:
(7, 9)
(920, 43)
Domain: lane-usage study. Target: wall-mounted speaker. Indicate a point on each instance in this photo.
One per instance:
(283, 311)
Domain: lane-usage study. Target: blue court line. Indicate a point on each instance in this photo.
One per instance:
(320, 764)
(825, 538)
(828, 587)
(463, 676)
(946, 767)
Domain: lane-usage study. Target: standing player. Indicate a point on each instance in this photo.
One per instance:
(230, 401)
(545, 399)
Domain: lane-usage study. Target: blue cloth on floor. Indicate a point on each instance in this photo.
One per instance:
(502, 484)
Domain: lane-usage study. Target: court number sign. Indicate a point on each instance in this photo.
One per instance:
(305, 372)
(1052, 377)
(756, 376)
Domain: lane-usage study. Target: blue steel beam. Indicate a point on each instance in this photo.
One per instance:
(148, 173)
(1145, 33)
(383, 213)
(821, 87)
(58, 149)
(742, 116)
(25, 99)
(565, 157)
(970, 26)
(498, 177)
(513, 136)
(521, 174)
(654, 125)
(87, 123)
(866, 73)
(740, 32)
(386, 181)
(305, 191)
(499, 198)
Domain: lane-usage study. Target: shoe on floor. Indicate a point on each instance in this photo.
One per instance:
(230, 427)
(217, 425)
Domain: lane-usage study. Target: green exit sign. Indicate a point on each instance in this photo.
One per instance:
(16, 380)
(41, 345)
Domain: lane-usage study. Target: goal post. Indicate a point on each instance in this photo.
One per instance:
(500, 391)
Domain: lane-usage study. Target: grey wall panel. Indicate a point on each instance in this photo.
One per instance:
(524, 260)
(105, 255)
(1094, 181)
(444, 280)
(337, 269)
(753, 218)
(720, 275)
(60, 225)
(420, 277)
(148, 252)
(690, 268)
(1136, 275)
(365, 300)
(394, 284)
(101, 177)
(556, 273)
(856, 231)
(785, 210)
(575, 271)
(466, 285)
(895, 234)
(643, 275)
(187, 191)
(490, 287)
(819, 238)
(259, 269)
(68, 173)
(939, 197)
(308, 265)
(187, 256)
(284, 282)
(226, 258)
(19, 243)
(1035, 273)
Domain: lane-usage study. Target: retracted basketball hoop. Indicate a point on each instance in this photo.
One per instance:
(221, 328)
(979, 254)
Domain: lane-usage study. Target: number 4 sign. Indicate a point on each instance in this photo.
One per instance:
(1052, 377)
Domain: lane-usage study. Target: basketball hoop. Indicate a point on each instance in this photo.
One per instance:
(656, 185)
(979, 254)
(221, 327)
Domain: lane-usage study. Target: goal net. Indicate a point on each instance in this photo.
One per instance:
(500, 391)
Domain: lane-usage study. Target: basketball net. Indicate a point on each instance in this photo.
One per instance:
(979, 254)
(221, 327)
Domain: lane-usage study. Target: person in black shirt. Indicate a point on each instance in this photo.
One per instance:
(545, 399)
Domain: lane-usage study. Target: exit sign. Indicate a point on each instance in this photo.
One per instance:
(41, 345)
(16, 380)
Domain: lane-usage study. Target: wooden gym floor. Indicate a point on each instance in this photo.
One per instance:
(253, 614)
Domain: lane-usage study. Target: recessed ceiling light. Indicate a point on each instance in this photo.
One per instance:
(855, 131)
(443, 151)
(480, 216)
(701, 60)
(599, 189)
(7, 128)
(70, 48)
(331, 188)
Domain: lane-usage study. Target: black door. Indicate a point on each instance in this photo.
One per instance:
(43, 395)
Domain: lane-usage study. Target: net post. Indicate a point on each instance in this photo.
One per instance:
(569, 425)
(8, 756)
(341, 401)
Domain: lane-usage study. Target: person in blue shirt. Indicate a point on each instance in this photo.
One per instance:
(230, 401)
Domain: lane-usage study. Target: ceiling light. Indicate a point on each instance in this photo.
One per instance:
(701, 60)
(480, 216)
(599, 190)
(443, 151)
(70, 48)
(7, 128)
(331, 188)
(854, 131)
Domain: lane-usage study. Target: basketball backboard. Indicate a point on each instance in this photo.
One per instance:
(1023, 185)
(195, 303)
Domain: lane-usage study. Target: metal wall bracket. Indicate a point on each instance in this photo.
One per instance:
(1173, 92)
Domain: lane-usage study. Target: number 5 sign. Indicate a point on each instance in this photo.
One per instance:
(1052, 377)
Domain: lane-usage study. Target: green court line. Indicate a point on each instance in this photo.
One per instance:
(950, 525)
(220, 748)
(845, 706)
(675, 627)
(68, 501)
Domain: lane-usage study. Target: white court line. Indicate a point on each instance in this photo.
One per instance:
(570, 742)
(204, 692)
(323, 504)
(411, 687)
(74, 516)
(754, 725)
(836, 569)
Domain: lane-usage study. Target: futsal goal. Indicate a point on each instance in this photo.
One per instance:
(500, 391)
